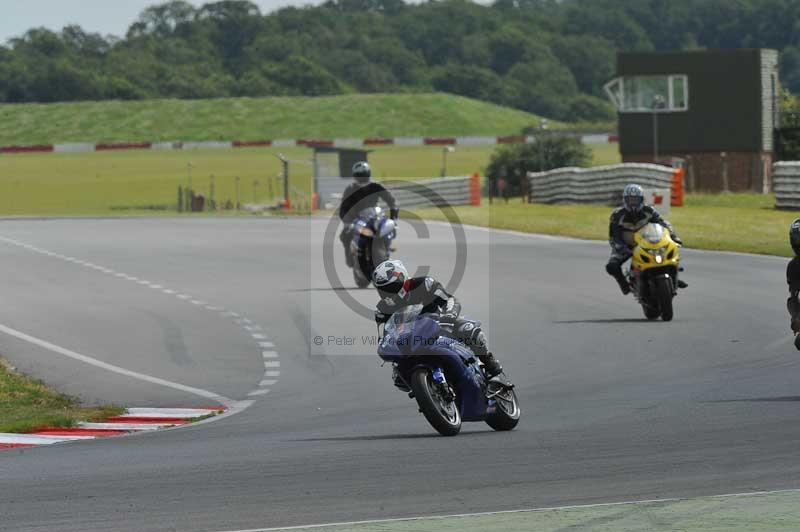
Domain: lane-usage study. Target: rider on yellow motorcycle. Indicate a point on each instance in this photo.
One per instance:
(625, 221)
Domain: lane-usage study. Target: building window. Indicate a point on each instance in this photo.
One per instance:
(647, 94)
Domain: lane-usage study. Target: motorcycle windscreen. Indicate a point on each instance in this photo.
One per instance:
(398, 331)
(652, 233)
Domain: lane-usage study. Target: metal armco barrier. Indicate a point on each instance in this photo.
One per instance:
(603, 184)
(786, 180)
(82, 147)
(438, 192)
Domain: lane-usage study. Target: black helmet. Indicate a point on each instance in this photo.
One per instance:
(794, 236)
(633, 198)
(362, 172)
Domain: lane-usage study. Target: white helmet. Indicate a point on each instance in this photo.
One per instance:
(390, 277)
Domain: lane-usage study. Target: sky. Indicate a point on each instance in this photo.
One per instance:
(99, 16)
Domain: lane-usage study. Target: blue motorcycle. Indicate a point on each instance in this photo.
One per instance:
(373, 233)
(444, 377)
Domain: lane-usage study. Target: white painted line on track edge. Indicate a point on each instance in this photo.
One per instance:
(115, 369)
(232, 406)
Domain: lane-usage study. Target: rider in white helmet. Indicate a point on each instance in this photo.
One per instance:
(399, 290)
(625, 221)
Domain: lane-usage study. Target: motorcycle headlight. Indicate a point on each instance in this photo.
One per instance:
(658, 251)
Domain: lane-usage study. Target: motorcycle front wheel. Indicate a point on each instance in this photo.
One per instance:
(507, 411)
(361, 281)
(651, 313)
(441, 413)
(664, 294)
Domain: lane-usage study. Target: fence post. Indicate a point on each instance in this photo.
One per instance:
(238, 196)
(475, 190)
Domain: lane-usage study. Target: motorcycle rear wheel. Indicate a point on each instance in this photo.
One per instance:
(443, 415)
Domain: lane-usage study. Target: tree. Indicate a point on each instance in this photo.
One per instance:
(550, 57)
(162, 20)
(472, 82)
(591, 60)
(512, 162)
(306, 77)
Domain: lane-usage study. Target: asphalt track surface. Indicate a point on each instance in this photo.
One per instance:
(615, 408)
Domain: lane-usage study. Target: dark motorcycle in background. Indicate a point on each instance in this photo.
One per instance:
(373, 233)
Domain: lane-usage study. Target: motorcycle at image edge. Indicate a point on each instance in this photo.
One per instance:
(373, 233)
(653, 275)
(447, 381)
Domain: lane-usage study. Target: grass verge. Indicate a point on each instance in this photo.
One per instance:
(727, 222)
(353, 116)
(130, 183)
(27, 404)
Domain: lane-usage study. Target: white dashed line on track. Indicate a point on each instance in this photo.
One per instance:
(271, 364)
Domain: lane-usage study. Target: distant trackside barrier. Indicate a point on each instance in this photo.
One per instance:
(83, 147)
(603, 185)
(436, 192)
(439, 192)
(786, 180)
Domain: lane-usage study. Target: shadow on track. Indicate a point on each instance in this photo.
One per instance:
(372, 438)
(327, 289)
(612, 320)
(389, 437)
(785, 399)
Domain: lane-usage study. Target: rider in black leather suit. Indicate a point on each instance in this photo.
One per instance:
(398, 291)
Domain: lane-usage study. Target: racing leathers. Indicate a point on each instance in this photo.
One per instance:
(793, 303)
(430, 293)
(623, 224)
(356, 198)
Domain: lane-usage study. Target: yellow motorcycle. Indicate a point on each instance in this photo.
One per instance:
(654, 271)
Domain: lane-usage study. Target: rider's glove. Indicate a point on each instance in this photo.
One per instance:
(394, 214)
(448, 318)
(795, 325)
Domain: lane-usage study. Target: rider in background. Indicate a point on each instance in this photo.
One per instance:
(624, 223)
(793, 279)
(359, 195)
(399, 290)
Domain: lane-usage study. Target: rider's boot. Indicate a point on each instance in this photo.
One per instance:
(624, 285)
(490, 365)
(682, 284)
